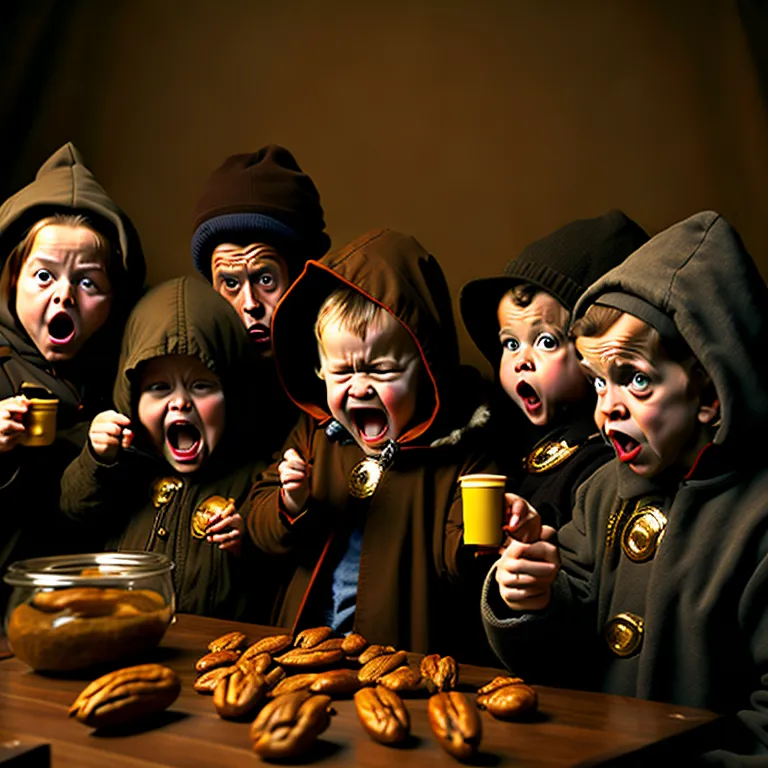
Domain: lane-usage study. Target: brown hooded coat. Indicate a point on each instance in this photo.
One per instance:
(29, 477)
(410, 591)
(182, 316)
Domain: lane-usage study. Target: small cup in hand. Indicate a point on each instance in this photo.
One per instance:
(482, 498)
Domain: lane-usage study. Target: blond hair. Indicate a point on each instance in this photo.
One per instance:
(351, 310)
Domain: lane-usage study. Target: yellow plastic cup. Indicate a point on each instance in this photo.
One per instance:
(40, 419)
(482, 498)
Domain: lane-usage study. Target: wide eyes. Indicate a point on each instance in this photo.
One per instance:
(510, 344)
(43, 276)
(640, 382)
(267, 280)
(547, 341)
(600, 385)
(230, 283)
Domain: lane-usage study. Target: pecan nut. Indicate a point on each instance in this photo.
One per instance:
(208, 681)
(271, 644)
(125, 695)
(81, 601)
(381, 665)
(289, 725)
(229, 642)
(336, 683)
(440, 673)
(383, 714)
(274, 676)
(309, 638)
(216, 659)
(237, 694)
(353, 644)
(372, 651)
(310, 658)
(456, 724)
(293, 683)
(402, 680)
(507, 698)
(256, 665)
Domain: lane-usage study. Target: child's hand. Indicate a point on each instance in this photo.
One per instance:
(12, 428)
(522, 520)
(525, 571)
(109, 432)
(226, 528)
(294, 479)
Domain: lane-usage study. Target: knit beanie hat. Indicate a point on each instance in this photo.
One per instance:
(262, 196)
(564, 264)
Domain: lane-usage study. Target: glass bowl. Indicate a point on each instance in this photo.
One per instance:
(72, 612)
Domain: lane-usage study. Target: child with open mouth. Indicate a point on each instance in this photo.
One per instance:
(544, 433)
(167, 471)
(72, 267)
(366, 495)
(659, 583)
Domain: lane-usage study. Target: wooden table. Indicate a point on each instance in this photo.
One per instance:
(573, 727)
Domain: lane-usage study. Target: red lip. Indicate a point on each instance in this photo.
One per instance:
(530, 399)
(626, 447)
(259, 334)
(173, 434)
(370, 418)
(61, 329)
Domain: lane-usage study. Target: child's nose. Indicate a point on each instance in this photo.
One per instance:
(525, 361)
(359, 388)
(179, 403)
(64, 294)
(612, 407)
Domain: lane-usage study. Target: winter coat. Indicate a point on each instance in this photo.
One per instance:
(410, 591)
(687, 622)
(29, 476)
(560, 457)
(140, 501)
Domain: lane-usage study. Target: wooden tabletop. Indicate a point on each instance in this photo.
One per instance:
(572, 727)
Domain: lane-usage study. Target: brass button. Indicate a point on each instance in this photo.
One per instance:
(162, 533)
(624, 633)
(643, 533)
(164, 489)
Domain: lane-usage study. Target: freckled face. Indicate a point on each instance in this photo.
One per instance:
(372, 383)
(646, 403)
(181, 406)
(539, 368)
(252, 280)
(63, 294)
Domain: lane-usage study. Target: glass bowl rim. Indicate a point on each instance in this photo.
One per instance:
(53, 571)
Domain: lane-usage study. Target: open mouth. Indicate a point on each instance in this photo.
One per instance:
(627, 448)
(259, 334)
(528, 395)
(371, 423)
(61, 328)
(184, 440)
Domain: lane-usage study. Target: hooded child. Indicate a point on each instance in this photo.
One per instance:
(167, 470)
(258, 220)
(663, 572)
(519, 320)
(366, 497)
(72, 267)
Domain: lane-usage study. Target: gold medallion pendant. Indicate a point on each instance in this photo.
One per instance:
(643, 532)
(205, 511)
(624, 633)
(366, 475)
(548, 455)
(164, 489)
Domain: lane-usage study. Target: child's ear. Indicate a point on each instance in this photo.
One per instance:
(708, 412)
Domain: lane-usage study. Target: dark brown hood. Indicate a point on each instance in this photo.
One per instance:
(392, 270)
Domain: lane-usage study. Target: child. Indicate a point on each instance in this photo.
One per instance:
(366, 496)
(258, 220)
(519, 320)
(664, 574)
(175, 451)
(72, 267)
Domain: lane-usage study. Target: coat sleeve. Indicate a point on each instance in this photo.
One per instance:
(90, 490)
(272, 529)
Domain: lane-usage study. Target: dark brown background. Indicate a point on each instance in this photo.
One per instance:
(476, 126)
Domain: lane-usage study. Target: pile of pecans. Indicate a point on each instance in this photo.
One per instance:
(294, 681)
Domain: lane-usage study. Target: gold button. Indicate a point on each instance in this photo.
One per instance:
(162, 533)
(643, 533)
(624, 633)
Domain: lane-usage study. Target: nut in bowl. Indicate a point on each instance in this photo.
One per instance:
(73, 612)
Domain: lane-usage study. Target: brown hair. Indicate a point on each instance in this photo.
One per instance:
(522, 294)
(18, 256)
